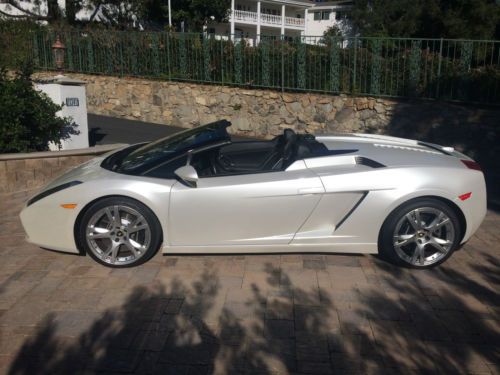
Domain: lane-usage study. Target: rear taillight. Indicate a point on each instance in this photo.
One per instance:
(471, 164)
(465, 196)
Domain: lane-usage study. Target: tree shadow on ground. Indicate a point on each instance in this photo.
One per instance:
(470, 129)
(397, 321)
(435, 321)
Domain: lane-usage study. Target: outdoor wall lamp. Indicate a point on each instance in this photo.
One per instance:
(58, 48)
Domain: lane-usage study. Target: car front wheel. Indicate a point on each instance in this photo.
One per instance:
(119, 232)
(421, 233)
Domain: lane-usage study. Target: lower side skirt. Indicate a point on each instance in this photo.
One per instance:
(355, 248)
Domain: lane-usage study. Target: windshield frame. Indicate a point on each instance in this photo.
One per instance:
(137, 160)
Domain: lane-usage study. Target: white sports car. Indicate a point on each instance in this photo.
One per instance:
(200, 192)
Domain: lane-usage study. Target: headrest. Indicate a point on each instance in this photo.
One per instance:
(303, 151)
(289, 135)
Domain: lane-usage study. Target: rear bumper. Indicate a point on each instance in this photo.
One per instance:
(474, 208)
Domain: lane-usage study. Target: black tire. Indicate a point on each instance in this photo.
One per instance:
(154, 231)
(387, 248)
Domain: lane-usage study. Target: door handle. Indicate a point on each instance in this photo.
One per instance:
(311, 190)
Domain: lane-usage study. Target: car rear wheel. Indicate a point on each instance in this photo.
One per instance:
(421, 233)
(119, 232)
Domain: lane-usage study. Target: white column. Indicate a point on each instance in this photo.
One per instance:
(283, 20)
(258, 23)
(169, 14)
(71, 92)
(232, 19)
(306, 14)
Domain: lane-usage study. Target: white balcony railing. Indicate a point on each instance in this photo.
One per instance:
(270, 19)
(294, 21)
(242, 15)
(266, 19)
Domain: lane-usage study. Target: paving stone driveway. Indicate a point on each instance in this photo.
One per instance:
(265, 314)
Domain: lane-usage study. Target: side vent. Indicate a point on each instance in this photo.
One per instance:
(368, 162)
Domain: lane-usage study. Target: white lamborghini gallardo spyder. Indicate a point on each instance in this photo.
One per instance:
(200, 192)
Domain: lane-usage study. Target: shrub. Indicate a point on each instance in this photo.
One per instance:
(16, 41)
(28, 120)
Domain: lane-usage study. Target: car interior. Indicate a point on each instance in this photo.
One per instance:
(245, 157)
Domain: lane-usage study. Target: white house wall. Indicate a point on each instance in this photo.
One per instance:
(318, 27)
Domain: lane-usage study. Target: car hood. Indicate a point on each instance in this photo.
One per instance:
(393, 151)
(87, 171)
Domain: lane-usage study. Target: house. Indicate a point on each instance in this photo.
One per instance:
(324, 14)
(251, 19)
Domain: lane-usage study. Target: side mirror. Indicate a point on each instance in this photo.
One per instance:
(187, 174)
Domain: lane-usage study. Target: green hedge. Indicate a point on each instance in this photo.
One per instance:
(28, 120)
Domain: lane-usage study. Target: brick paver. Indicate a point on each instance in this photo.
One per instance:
(265, 314)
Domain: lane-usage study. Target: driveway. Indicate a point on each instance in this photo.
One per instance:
(105, 130)
(253, 314)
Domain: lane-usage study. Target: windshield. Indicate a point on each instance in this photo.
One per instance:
(145, 157)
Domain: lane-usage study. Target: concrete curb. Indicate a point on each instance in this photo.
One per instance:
(97, 150)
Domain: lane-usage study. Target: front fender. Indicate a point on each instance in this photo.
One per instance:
(48, 224)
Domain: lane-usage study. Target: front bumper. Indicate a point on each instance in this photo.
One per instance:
(49, 225)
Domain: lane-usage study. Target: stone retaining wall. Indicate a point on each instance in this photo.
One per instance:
(263, 113)
(31, 170)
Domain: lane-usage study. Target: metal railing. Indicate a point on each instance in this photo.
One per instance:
(456, 70)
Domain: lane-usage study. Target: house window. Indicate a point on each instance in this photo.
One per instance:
(324, 15)
(339, 16)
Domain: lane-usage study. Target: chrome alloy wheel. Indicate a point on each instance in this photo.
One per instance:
(118, 235)
(423, 236)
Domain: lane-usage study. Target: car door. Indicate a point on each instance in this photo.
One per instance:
(250, 209)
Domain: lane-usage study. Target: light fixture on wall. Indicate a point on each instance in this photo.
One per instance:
(59, 49)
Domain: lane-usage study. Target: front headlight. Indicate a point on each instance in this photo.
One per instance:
(48, 192)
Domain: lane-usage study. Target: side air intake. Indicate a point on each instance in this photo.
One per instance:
(368, 162)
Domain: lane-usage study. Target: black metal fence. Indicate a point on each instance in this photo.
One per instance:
(456, 70)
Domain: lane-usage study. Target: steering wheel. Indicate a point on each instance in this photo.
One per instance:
(224, 162)
(213, 163)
